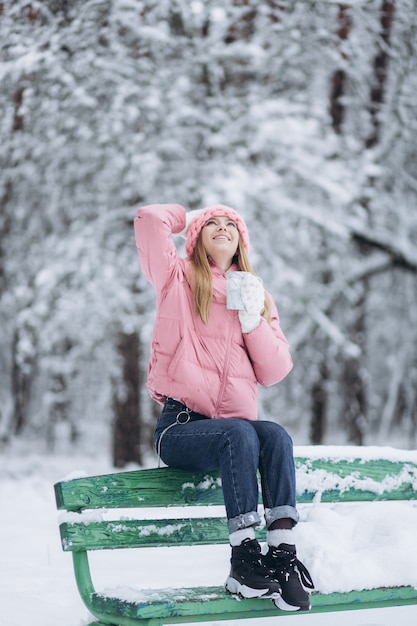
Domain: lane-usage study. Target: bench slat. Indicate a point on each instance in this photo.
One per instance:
(353, 480)
(144, 533)
(140, 489)
(344, 480)
(215, 603)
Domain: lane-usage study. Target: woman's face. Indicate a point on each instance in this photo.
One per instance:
(220, 237)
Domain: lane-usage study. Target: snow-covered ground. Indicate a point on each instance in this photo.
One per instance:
(367, 544)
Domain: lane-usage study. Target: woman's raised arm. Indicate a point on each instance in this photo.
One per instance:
(154, 226)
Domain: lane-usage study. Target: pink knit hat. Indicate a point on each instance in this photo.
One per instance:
(217, 210)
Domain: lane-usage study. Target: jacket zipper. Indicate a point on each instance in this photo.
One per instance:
(226, 364)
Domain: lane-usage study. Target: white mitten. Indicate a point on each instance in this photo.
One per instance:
(189, 217)
(253, 298)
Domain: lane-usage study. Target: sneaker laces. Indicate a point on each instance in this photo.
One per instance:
(249, 552)
(287, 562)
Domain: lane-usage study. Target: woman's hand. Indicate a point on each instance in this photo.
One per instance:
(189, 217)
(253, 298)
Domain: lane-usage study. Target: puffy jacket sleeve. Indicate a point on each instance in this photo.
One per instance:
(268, 350)
(154, 224)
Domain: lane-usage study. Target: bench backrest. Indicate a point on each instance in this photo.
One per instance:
(83, 527)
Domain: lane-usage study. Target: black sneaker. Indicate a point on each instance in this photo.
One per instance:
(249, 578)
(292, 575)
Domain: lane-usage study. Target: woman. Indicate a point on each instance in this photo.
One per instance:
(205, 366)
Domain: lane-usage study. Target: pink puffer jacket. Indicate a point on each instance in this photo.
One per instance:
(212, 368)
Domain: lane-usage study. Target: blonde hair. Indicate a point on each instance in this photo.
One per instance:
(201, 280)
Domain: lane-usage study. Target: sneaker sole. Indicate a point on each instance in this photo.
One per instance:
(236, 588)
(284, 606)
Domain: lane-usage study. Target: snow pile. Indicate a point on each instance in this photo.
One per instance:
(365, 453)
(359, 546)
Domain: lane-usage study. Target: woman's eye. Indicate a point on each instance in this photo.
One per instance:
(213, 222)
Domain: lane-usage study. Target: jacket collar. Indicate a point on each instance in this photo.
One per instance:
(218, 271)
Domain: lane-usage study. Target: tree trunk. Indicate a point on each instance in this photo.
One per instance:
(380, 67)
(5, 227)
(319, 406)
(354, 388)
(126, 403)
(22, 378)
(338, 82)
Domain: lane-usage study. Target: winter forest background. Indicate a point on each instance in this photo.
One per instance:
(301, 114)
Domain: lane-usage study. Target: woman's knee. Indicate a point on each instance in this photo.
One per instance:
(275, 434)
(241, 434)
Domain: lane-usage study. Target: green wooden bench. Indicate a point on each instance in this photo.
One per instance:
(341, 481)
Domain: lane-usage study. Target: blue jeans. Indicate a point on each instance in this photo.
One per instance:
(238, 448)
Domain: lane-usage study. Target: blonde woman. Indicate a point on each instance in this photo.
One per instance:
(216, 338)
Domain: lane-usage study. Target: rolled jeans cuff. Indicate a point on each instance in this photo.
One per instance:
(281, 512)
(246, 520)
